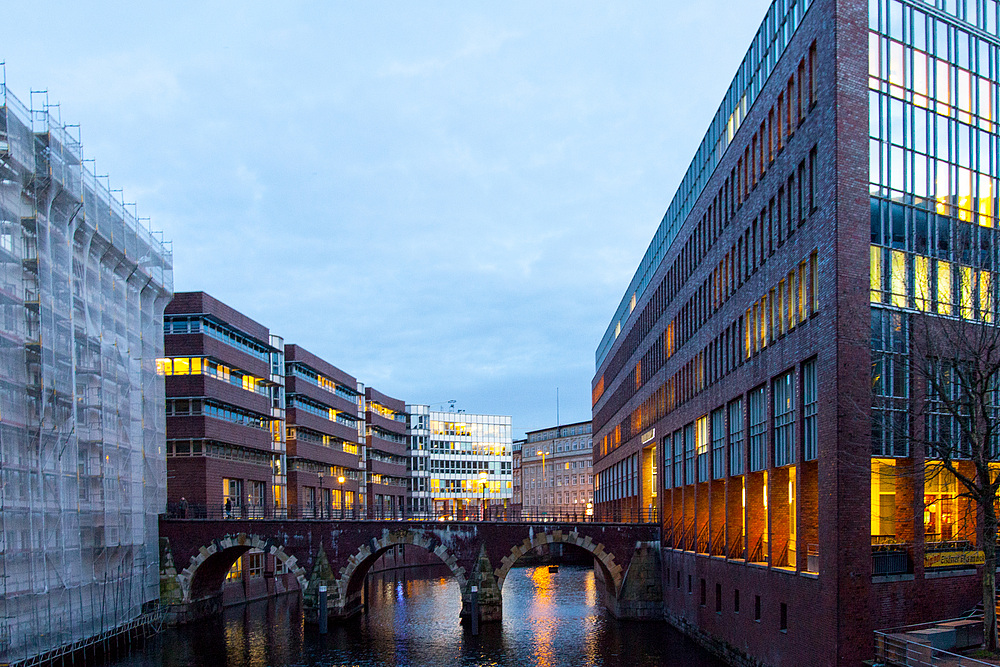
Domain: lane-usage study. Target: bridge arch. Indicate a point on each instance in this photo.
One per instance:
(605, 559)
(206, 573)
(352, 576)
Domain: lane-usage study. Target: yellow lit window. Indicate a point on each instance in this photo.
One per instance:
(814, 288)
(986, 296)
(898, 279)
(803, 306)
(701, 435)
(883, 499)
(182, 366)
(236, 571)
(163, 366)
(876, 274)
(966, 293)
(790, 298)
(985, 200)
(944, 287)
(780, 308)
(921, 280)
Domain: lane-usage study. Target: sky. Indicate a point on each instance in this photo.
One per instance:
(446, 200)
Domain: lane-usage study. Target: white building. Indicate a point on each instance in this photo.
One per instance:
(460, 464)
(82, 424)
(557, 474)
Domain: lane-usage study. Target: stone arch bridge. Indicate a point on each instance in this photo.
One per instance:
(196, 555)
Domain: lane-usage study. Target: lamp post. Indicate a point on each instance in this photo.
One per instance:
(482, 482)
(320, 494)
(544, 492)
(340, 481)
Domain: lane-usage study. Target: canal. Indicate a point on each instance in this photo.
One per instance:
(550, 619)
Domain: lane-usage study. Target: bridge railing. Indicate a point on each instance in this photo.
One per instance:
(177, 510)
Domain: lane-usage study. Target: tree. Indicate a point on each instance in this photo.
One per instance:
(936, 374)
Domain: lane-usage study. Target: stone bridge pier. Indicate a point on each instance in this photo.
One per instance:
(197, 554)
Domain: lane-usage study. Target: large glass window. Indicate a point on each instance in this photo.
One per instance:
(718, 443)
(810, 433)
(758, 428)
(783, 399)
(689, 454)
(702, 447)
(736, 448)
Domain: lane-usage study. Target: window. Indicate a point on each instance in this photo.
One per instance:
(704, 595)
(702, 449)
(679, 457)
(736, 437)
(736, 601)
(758, 428)
(784, 617)
(718, 443)
(756, 608)
(689, 454)
(810, 435)
(689, 584)
(718, 598)
(783, 400)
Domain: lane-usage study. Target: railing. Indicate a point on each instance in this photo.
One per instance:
(360, 513)
(736, 551)
(905, 647)
(718, 547)
(702, 544)
(609, 515)
(782, 559)
(757, 554)
(890, 559)
(687, 540)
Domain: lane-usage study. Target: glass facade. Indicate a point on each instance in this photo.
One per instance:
(448, 454)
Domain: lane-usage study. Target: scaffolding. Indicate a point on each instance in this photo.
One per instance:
(83, 285)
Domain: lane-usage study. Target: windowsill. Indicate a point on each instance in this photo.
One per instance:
(783, 569)
(809, 575)
(762, 566)
(950, 573)
(887, 578)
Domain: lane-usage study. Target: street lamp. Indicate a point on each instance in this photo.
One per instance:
(544, 492)
(482, 482)
(340, 481)
(320, 494)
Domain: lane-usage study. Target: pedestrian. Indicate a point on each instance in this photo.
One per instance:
(184, 507)
(229, 508)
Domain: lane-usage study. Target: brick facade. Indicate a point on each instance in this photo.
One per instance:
(755, 286)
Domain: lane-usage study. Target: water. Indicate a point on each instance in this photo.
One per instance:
(550, 619)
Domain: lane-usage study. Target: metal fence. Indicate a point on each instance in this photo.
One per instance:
(358, 513)
(904, 647)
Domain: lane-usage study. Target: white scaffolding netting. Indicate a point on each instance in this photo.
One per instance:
(82, 466)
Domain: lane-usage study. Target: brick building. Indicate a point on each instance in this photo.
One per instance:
(556, 471)
(386, 459)
(325, 432)
(225, 424)
(756, 356)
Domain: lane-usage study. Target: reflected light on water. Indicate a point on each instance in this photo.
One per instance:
(549, 619)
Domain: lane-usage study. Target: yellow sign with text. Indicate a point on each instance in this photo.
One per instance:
(953, 558)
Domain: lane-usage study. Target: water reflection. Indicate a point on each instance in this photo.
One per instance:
(550, 619)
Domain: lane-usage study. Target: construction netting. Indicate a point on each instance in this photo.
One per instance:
(83, 285)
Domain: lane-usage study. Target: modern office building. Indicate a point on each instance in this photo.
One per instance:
(225, 378)
(83, 284)
(324, 423)
(385, 454)
(557, 471)
(460, 464)
(836, 196)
